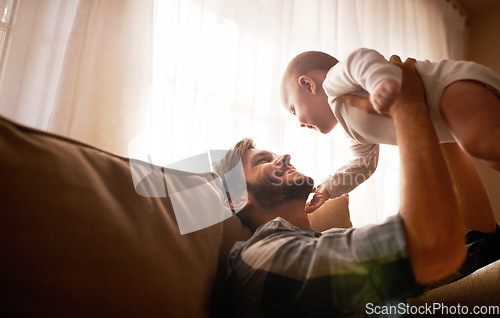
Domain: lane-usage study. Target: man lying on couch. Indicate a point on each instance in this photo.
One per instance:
(288, 269)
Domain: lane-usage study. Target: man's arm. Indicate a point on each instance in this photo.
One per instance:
(433, 224)
(473, 201)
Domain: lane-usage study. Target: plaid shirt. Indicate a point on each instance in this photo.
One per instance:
(288, 271)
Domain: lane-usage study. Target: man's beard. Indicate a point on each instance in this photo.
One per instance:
(268, 194)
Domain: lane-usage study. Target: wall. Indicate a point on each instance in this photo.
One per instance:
(483, 46)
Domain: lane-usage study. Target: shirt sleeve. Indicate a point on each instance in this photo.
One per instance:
(362, 165)
(362, 69)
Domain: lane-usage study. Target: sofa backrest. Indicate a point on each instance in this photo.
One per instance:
(78, 240)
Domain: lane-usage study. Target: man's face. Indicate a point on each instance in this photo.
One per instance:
(272, 180)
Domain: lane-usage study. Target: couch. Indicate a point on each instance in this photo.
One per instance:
(83, 236)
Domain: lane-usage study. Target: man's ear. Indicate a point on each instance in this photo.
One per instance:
(306, 82)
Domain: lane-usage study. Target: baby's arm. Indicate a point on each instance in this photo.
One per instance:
(354, 172)
(347, 177)
(369, 70)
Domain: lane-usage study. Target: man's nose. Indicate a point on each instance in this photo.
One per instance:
(283, 160)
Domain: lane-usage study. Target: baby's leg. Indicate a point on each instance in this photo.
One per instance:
(384, 95)
(472, 113)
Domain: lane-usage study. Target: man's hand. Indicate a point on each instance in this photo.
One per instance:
(412, 90)
(320, 196)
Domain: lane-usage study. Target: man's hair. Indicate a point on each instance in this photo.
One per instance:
(233, 156)
(303, 63)
(236, 179)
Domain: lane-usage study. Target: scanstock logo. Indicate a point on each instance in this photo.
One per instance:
(197, 193)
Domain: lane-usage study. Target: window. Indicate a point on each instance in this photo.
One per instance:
(6, 14)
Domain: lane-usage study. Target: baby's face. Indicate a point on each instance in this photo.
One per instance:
(312, 111)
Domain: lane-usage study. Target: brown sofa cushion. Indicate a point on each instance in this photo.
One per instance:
(479, 291)
(77, 239)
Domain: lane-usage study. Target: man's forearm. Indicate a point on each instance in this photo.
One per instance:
(426, 183)
(473, 201)
(428, 207)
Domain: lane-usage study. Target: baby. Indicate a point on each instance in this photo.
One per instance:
(463, 100)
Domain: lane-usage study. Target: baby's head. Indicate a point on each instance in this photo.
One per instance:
(302, 91)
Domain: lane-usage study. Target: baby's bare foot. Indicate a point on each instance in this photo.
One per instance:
(384, 95)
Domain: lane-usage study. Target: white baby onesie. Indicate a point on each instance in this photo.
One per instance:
(358, 75)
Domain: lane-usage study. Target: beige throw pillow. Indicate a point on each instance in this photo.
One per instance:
(334, 213)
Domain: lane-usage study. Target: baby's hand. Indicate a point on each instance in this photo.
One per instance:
(320, 196)
(384, 95)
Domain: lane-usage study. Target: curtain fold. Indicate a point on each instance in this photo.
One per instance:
(178, 77)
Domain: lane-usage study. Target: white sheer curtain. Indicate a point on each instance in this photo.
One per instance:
(218, 66)
(184, 76)
(80, 68)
